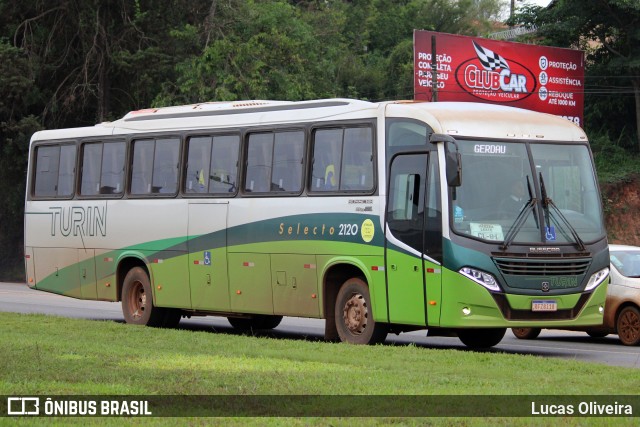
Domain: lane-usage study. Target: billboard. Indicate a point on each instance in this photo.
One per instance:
(540, 78)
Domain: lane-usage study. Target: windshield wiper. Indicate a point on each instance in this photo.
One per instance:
(521, 218)
(546, 203)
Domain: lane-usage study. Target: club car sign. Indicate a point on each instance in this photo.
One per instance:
(491, 78)
(480, 70)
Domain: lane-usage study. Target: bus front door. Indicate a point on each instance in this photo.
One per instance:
(208, 256)
(414, 240)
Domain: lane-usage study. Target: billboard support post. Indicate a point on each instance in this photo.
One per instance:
(434, 70)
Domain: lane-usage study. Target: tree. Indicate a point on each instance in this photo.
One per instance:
(310, 49)
(255, 50)
(17, 93)
(608, 31)
(391, 27)
(96, 60)
(71, 63)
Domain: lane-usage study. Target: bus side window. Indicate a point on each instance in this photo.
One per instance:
(404, 205)
(102, 168)
(155, 166)
(259, 158)
(327, 153)
(47, 167)
(141, 168)
(112, 176)
(55, 171)
(223, 174)
(91, 163)
(67, 172)
(165, 166)
(212, 164)
(357, 162)
(288, 161)
(198, 164)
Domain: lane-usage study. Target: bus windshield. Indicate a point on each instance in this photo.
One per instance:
(527, 193)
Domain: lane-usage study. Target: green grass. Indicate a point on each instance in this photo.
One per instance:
(44, 355)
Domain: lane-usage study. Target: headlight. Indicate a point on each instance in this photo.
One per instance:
(596, 279)
(480, 277)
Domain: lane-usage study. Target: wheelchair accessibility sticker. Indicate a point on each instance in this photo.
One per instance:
(550, 232)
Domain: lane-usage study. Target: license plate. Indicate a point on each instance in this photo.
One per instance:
(546, 305)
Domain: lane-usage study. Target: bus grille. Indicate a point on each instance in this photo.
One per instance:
(565, 314)
(540, 267)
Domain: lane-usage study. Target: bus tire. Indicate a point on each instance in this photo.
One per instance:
(354, 315)
(628, 326)
(526, 333)
(482, 337)
(172, 318)
(256, 322)
(596, 333)
(137, 300)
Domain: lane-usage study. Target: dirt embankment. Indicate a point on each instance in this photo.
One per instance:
(622, 211)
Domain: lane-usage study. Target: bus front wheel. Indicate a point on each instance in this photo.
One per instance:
(526, 333)
(137, 300)
(354, 316)
(596, 333)
(481, 337)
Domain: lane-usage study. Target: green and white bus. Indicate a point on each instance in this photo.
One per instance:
(378, 217)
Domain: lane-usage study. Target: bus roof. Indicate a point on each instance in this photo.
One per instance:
(455, 118)
(245, 113)
(497, 121)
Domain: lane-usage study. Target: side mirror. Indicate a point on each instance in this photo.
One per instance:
(453, 159)
(453, 168)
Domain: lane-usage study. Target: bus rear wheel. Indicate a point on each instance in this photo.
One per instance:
(256, 322)
(137, 300)
(482, 337)
(354, 317)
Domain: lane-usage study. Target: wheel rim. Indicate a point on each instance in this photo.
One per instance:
(355, 314)
(137, 300)
(629, 326)
(520, 331)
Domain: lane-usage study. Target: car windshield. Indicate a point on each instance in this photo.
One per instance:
(503, 187)
(627, 262)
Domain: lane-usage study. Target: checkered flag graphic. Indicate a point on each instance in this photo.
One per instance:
(490, 60)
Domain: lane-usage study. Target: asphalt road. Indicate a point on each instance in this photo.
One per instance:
(18, 298)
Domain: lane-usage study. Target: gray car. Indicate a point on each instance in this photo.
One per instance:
(622, 309)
